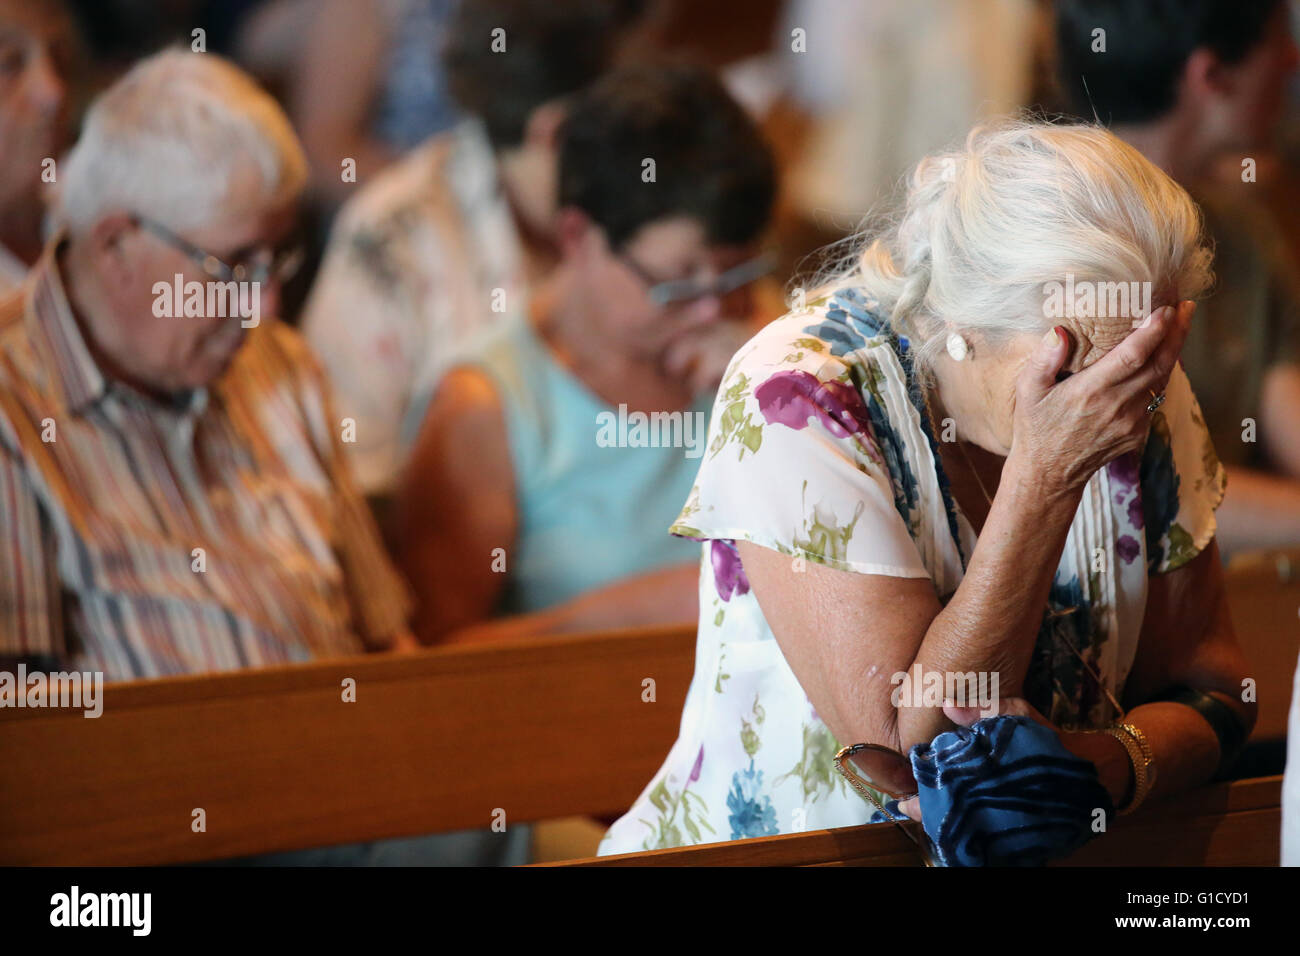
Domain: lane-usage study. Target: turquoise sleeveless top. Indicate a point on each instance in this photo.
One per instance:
(595, 487)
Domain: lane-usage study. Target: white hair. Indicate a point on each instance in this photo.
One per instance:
(984, 229)
(173, 140)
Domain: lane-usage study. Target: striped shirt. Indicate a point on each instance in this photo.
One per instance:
(143, 539)
(12, 271)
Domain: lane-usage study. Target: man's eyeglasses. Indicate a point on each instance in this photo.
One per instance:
(264, 264)
(679, 291)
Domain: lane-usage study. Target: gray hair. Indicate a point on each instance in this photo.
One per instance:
(172, 140)
(983, 230)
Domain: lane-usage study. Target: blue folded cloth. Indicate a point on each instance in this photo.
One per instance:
(1004, 792)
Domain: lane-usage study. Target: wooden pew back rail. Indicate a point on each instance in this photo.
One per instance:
(440, 741)
(1232, 824)
(278, 760)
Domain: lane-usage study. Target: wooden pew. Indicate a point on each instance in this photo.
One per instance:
(1231, 824)
(1264, 596)
(434, 742)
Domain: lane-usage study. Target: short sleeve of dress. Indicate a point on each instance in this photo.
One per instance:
(792, 462)
(1182, 480)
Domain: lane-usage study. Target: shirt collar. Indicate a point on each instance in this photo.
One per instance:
(12, 269)
(78, 375)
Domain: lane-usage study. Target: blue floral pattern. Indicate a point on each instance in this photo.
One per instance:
(752, 813)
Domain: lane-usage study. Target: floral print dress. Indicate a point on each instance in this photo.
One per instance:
(820, 448)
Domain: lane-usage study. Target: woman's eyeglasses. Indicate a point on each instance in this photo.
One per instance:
(264, 264)
(680, 291)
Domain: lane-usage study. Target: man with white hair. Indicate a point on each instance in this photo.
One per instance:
(174, 496)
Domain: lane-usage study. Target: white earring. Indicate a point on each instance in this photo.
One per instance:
(956, 346)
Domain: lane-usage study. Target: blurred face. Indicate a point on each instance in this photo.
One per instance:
(136, 270)
(1253, 91)
(659, 290)
(33, 61)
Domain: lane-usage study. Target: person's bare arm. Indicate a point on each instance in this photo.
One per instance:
(664, 597)
(404, 642)
(845, 635)
(455, 503)
(1259, 511)
(1187, 638)
(1279, 417)
(340, 69)
(269, 40)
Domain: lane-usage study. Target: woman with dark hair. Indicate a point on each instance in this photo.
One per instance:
(554, 456)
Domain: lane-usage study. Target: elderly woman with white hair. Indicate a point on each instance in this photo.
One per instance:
(971, 453)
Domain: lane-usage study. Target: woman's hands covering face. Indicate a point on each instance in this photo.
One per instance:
(1064, 432)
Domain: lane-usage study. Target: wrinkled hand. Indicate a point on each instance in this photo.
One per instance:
(701, 356)
(1064, 432)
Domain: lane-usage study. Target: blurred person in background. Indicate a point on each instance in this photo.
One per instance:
(887, 81)
(524, 453)
(1190, 82)
(362, 79)
(174, 497)
(37, 44)
(432, 251)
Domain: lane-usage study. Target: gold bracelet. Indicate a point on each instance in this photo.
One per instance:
(1139, 754)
